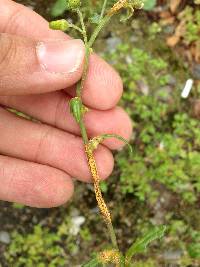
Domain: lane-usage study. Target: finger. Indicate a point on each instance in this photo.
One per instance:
(47, 145)
(29, 67)
(53, 108)
(33, 184)
(103, 87)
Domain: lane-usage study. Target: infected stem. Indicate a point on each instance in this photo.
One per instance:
(89, 153)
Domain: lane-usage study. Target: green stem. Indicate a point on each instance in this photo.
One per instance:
(102, 23)
(71, 25)
(81, 83)
(83, 132)
(82, 25)
(112, 236)
(103, 9)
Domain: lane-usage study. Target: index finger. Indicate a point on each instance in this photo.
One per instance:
(103, 87)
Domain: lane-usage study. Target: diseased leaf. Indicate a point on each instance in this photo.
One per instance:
(58, 8)
(129, 14)
(94, 142)
(141, 244)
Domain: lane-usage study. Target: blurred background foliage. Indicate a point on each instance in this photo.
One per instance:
(155, 53)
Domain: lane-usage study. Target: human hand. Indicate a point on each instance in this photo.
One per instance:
(38, 70)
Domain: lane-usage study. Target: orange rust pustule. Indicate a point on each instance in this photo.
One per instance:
(112, 256)
(119, 5)
(96, 179)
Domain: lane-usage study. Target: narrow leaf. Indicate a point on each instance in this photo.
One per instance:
(129, 14)
(141, 244)
(93, 263)
(106, 136)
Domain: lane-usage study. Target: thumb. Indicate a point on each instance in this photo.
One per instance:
(30, 67)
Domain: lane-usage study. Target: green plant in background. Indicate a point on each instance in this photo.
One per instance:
(149, 4)
(31, 250)
(58, 8)
(78, 110)
(89, 7)
(166, 155)
(167, 138)
(191, 18)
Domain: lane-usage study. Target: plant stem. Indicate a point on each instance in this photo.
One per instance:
(83, 132)
(71, 25)
(112, 236)
(96, 32)
(82, 25)
(79, 90)
(81, 83)
(103, 9)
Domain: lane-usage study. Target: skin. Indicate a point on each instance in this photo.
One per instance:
(38, 160)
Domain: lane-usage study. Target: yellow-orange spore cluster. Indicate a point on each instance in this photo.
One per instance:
(119, 5)
(94, 171)
(110, 256)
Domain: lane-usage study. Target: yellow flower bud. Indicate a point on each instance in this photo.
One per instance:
(61, 25)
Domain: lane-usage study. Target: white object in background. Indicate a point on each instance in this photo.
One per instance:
(76, 223)
(187, 89)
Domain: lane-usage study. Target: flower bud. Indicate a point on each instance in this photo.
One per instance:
(73, 4)
(61, 25)
(76, 108)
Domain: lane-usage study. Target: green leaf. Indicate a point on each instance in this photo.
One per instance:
(149, 4)
(58, 8)
(92, 263)
(194, 250)
(141, 244)
(106, 136)
(94, 142)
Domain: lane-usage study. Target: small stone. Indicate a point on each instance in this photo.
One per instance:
(4, 237)
(196, 72)
(76, 225)
(172, 80)
(143, 86)
(112, 43)
(172, 255)
(196, 108)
